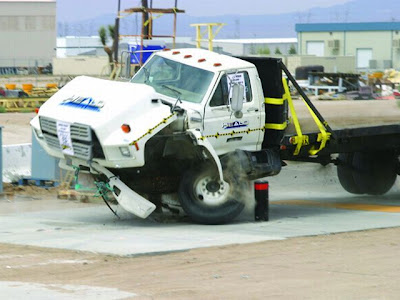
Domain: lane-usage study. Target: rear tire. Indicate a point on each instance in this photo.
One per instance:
(374, 173)
(206, 199)
(345, 173)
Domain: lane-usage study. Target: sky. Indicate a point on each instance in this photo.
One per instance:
(76, 10)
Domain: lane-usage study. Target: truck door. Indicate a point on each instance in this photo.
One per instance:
(225, 131)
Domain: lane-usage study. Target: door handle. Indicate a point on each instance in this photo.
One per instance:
(252, 109)
(234, 139)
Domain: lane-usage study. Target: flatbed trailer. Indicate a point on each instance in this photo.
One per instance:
(367, 157)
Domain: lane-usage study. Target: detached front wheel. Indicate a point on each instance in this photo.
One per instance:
(206, 199)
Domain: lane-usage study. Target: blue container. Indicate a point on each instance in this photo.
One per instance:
(135, 57)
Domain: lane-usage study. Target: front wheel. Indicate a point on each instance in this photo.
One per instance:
(206, 199)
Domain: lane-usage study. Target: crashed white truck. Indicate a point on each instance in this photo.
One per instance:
(201, 124)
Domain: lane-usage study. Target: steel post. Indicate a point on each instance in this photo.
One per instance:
(261, 212)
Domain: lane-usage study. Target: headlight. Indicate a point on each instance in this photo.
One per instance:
(125, 151)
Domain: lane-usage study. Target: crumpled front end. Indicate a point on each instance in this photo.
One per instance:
(82, 122)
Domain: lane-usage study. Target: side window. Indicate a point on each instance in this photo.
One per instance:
(223, 94)
(243, 79)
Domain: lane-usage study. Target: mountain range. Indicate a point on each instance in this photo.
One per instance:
(246, 26)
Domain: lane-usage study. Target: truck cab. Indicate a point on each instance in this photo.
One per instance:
(202, 81)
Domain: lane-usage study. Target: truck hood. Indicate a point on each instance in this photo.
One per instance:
(105, 105)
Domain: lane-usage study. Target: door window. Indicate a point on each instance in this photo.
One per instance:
(222, 94)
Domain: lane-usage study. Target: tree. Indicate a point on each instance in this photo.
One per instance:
(104, 35)
(277, 50)
(264, 51)
(292, 50)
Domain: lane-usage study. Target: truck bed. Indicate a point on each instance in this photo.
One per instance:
(348, 114)
(360, 139)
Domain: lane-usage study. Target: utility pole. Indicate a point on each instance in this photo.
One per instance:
(146, 31)
(116, 33)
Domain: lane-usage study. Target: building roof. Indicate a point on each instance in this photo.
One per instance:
(372, 26)
(27, 1)
(257, 41)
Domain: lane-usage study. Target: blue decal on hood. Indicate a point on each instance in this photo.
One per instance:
(235, 124)
(83, 103)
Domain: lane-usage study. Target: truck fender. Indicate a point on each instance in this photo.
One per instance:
(202, 141)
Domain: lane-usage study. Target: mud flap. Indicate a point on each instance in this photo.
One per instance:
(128, 199)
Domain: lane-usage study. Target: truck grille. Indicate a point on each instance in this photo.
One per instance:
(81, 136)
(79, 132)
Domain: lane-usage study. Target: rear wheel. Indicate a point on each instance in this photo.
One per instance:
(345, 173)
(206, 199)
(371, 173)
(374, 173)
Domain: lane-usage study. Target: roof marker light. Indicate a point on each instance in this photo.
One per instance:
(126, 128)
(166, 49)
(187, 56)
(201, 60)
(217, 65)
(175, 52)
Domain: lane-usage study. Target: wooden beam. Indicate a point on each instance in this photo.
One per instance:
(153, 10)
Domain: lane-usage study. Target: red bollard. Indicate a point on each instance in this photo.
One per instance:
(261, 211)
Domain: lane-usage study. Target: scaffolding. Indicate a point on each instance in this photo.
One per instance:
(149, 24)
(209, 31)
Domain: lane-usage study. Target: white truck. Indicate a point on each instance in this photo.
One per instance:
(201, 124)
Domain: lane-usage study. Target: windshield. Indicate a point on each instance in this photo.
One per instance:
(175, 79)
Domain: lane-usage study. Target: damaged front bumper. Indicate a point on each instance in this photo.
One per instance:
(128, 199)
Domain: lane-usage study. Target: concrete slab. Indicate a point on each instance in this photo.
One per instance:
(20, 290)
(304, 201)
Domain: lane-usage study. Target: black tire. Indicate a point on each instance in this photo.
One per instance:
(198, 188)
(374, 173)
(345, 173)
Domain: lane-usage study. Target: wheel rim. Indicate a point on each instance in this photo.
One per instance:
(211, 191)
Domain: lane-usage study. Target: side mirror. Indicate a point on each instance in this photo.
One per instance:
(237, 99)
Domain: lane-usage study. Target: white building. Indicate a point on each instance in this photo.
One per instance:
(27, 32)
(254, 46)
(79, 45)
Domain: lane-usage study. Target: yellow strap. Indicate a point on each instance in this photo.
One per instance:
(275, 126)
(300, 139)
(323, 137)
(151, 19)
(276, 101)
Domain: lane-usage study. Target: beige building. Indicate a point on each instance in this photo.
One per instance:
(27, 32)
(376, 46)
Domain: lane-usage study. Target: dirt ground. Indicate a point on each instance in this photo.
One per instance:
(358, 265)
(16, 128)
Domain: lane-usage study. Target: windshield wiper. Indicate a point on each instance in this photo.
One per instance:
(175, 107)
